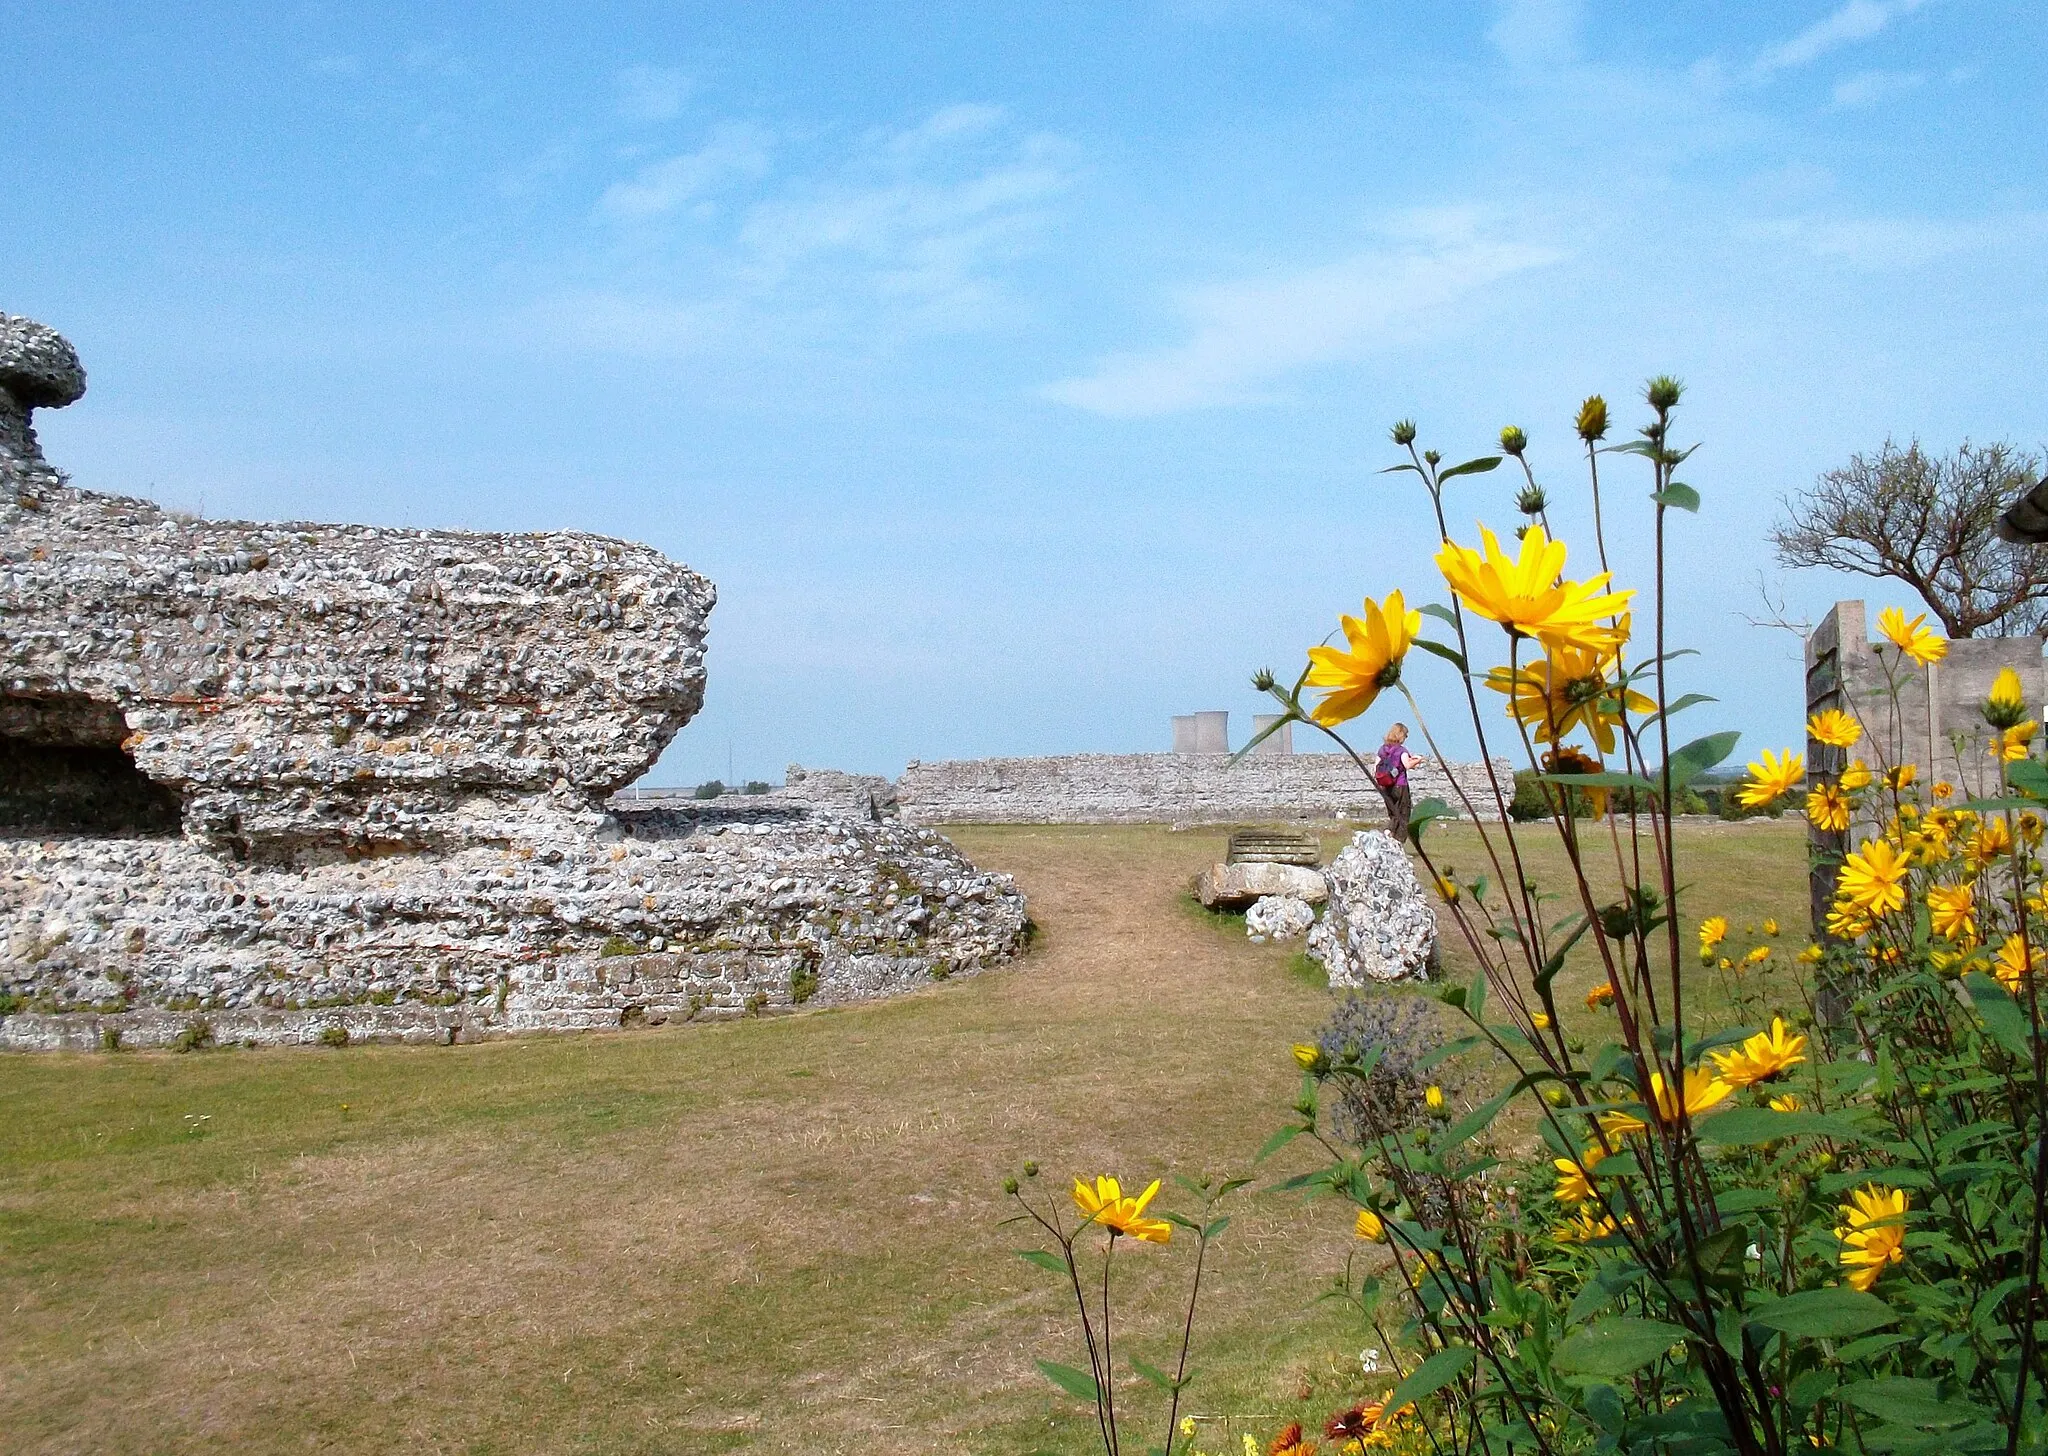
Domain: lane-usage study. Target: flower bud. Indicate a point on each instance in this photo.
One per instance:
(1263, 680)
(1009, 1185)
(1514, 441)
(1592, 422)
(1031, 1170)
(1532, 501)
(2007, 704)
(1311, 1058)
(1404, 432)
(1663, 392)
(1432, 457)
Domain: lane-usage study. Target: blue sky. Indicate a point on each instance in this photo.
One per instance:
(1020, 374)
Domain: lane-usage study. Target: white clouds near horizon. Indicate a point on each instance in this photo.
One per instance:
(1853, 21)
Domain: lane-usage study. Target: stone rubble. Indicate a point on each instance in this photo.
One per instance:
(1380, 924)
(1238, 886)
(287, 777)
(1278, 917)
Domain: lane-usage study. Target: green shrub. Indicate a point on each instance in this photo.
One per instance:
(617, 945)
(803, 984)
(196, 1036)
(710, 790)
(756, 786)
(334, 1035)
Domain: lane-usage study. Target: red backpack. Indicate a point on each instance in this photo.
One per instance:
(1388, 772)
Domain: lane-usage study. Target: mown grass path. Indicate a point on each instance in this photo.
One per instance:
(776, 1235)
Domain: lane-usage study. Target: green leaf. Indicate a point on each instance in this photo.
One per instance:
(1679, 494)
(1157, 1377)
(1471, 467)
(1276, 1142)
(1428, 810)
(1606, 779)
(1216, 1227)
(1441, 612)
(1680, 705)
(1475, 999)
(1743, 1125)
(1834, 1313)
(1431, 1376)
(2029, 776)
(1449, 654)
(1615, 1346)
(1262, 735)
(1077, 1383)
(2003, 1019)
(1911, 1402)
(1043, 1260)
(1556, 961)
(1689, 762)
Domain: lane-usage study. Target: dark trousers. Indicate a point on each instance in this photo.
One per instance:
(1400, 806)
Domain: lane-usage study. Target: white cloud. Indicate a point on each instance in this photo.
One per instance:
(1856, 20)
(737, 151)
(1249, 334)
(1888, 244)
(1867, 88)
(652, 93)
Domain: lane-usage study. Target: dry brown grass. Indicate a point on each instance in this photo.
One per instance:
(777, 1235)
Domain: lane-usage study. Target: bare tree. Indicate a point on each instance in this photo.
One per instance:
(1932, 522)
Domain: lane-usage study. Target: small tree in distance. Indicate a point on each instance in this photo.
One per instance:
(1930, 521)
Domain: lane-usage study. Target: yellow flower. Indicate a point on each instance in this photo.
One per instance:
(1770, 926)
(1310, 1057)
(1569, 688)
(1835, 728)
(1378, 641)
(1772, 776)
(2030, 829)
(1615, 1126)
(1952, 910)
(1713, 930)
(1569, 760)
(1901, 776)
(1541, 1020)
(1107, 1205)
(2006, 703)
(1703, 1093)
(1856, 775)
(1873, 1233)
(1847, 922)
(1433, 1096)
(1529, 596)
(1786, 1102)
(1187, 1425)
(2011, 745)
(1943, 789)
(1583, 1228)
(2015, 958)
(1811, 955)
(1758, 954)
(1600, 995)
(1761, 1057)
(1291, 1442)
(1368, 1226)
(1873, 880)
(1915, 638)
(1828, 807)
(1574, 1185)
(1992, 841)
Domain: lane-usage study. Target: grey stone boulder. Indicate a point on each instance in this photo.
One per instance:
(1238, 886)
(1381, 924)
(1278, 917)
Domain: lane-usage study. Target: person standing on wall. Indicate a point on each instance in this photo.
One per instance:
(1390, 772)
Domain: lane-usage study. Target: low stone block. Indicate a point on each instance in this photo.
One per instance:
(1279, 917)
(1237, 886)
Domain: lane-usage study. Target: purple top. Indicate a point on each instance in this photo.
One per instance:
(1394, 760)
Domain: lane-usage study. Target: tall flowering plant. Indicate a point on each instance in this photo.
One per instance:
(1809, 1222)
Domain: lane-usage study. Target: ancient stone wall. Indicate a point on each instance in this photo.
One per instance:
(283, 779)
(1090, 788)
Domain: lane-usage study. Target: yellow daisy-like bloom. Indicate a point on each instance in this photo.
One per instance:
(2015, 959)
(1835, 728)
(2030, 829)
(1615, 1126)
(1901, 776)
(2006, 703)
(1856, 775)
(1771, 777)
(1713, 930)
(1308, 1056)
(1786, 1102)
(1574, 1183)
(1761, 1057)
(1448, 888)
(1703, 1093)
(1583, 1228)
(1528, 594)
(1915, 638)
(1770, 925)
(1378, 640)
(1433, 1097)
(2011, 745)
(1828, 807)
(1600, 995)
(1758, 954)
(1369, 1226)
(1107, 1204)
(1943, 789)
(1952, 911)
(1991, 842)
(1568, 689)
(1873, 1233)
(1811, 955)
(1846, 922)
(1873, 880)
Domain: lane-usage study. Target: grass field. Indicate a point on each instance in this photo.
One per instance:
(770, 1235)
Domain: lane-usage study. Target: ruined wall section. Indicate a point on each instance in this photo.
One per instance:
(1179, 788)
